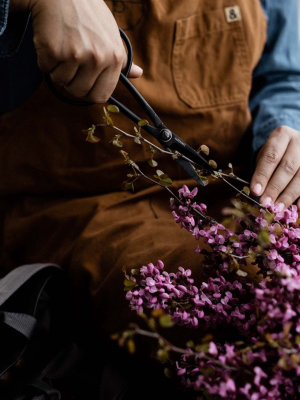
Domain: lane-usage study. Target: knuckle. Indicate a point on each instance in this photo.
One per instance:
(281, 129)
(274, 187)
(96, 59)
(289, 195)
(47, 47)
(117, 57)
(271, 156)
(76, 55)
(288, 167)
(261, 174)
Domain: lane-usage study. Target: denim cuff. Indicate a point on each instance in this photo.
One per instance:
(4, 7)
(12, 29)
(263, 132)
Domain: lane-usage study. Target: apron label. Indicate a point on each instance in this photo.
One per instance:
(233, 14)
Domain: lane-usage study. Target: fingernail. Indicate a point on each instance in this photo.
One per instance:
(281, 206)
(139, 69)
(266, 201)
(257, 189)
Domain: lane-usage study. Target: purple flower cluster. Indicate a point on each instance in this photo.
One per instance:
(262, 361)
(216, 302)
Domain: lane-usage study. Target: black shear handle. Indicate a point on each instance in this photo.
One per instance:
(57, 93)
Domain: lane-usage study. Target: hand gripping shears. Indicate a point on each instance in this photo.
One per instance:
(167, 139)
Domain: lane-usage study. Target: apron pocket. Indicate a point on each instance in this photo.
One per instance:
(210, 61)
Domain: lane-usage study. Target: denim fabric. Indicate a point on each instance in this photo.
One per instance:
(275, 97)
(4, 6)
(12, 28)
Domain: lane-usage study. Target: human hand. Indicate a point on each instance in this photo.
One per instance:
(79, 44)
(278, 169)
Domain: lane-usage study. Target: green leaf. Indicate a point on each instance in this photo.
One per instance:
(129, 282)
(202, 347)
(157, 313)
(213, 164)
(162, 355)
(168, 373)
(143, 122)
(113, 109)
(151, 323)
(135, 271)
(109, 121)
(284, 364)
(129, 286)
(117, 143)
(131, 346)
(166, 321)
(246, 190)
(153, 163)
(190, 344)
(159, 172)
(137, 140)
(205, 149)
(241, 273)
(207, 338)
(92, 139)
(167, 181)
(114, 336)
(263, 238)
(127, 185)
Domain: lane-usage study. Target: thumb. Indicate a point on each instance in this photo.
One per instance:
(135, 71)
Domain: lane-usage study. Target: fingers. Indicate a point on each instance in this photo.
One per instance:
(64, 73)
(135, 71)
(276, 178)
(267, 161)
(104, 86)
(291, 192)
(90, 80)
(79, 44)
(96, 79)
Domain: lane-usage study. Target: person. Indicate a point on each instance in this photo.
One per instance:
(215, 72)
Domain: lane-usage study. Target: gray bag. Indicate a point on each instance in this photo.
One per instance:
(34, 330)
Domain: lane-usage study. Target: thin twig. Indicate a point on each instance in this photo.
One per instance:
(244, 194)
(219, 175)
(175, 349)
(234, 177)
(136, 167)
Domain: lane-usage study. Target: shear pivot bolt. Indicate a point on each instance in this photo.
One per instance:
(166, 135)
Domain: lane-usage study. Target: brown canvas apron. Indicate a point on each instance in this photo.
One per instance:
(62, 200)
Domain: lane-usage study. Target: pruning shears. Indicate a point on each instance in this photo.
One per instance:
(185, 155)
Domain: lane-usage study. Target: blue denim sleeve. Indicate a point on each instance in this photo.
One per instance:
(275, 97)
(4, 5)
(12, 29)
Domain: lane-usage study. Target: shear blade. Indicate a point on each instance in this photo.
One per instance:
(190, 170)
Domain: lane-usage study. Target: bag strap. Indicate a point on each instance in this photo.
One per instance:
(44, 392)
(23, 323)
(16, 278)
